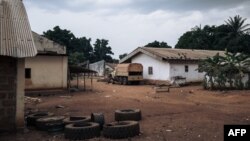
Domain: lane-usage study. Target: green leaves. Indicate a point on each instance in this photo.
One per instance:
(102, 51)
(80, 49)
(226, 69)
(158, 44)
(234, 36)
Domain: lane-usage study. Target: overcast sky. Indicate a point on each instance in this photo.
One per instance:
(128, 24)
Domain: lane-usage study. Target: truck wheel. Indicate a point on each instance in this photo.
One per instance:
(120, 130)
(120, 80)
(128, 114)
(112, 81)
(125, 81)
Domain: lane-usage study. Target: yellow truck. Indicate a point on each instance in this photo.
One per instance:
(127, 74)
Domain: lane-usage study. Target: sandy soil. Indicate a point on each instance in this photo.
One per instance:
(185, 114)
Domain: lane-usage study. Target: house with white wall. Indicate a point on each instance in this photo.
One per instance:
(49, 69)
(164, 64)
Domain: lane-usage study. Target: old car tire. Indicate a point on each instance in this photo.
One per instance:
(31, 119)
(81, 131)
(120, 130)
(76, 119)
(42, 123)
(98, 118)
(55, 127)
(128, 114)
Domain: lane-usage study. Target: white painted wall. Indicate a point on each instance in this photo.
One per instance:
(160, 69)
(163, 70)
(47, 72)
(191, 76)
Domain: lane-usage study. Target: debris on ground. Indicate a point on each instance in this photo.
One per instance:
(32, 100)
(74, 90)
(60, 106)
(68, 97)
(103, 80)
(159, 89)
(168, 130)
(107, 96)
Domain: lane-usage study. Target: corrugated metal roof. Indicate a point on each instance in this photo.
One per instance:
(192, 54)
(44, 45)
(16, 38)
(173, 54)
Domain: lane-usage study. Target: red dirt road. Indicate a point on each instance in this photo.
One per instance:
(184, 114)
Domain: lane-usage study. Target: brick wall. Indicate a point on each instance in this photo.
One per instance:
(8, 77)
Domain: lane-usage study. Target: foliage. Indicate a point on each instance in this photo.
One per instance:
(226, 71)
(80, 49)
(102, 51)
(233, 36)
(158, 44)
(122, 56)
(76, 58)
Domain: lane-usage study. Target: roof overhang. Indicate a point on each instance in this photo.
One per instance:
(16, 38)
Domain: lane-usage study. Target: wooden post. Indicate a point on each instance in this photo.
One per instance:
(77, 80)
(84, 82)
(91, 81)
(69, 80)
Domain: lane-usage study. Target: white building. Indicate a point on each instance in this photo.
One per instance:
(48, 70)
(164, 64)
(102, 67)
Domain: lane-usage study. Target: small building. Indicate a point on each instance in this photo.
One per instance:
(49, 69)
(166, 64)
(102, 67)
(16, 43)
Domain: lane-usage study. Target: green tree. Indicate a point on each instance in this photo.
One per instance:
(102, 51)
(234, 36)
(61, 36)
(122, 55)
(229, 68)
(211, 67)
(237, 25)
(76, 58)
(77, 48)
(158, 44)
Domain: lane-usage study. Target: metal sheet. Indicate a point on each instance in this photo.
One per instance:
(16, 38)
(173, 54)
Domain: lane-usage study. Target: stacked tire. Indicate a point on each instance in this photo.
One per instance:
(50, 124)
(126, 124)
(128, 114)
(82, 131)
(98, 118)
(120, 130)
(76, 119)
(32, 118)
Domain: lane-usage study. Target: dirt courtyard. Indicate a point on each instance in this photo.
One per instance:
(185, 114)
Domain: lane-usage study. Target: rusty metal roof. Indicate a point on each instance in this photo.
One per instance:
(173, 54)
(16, 38)
(46, 46)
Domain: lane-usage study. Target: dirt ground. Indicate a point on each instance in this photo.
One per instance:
(185, 114)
